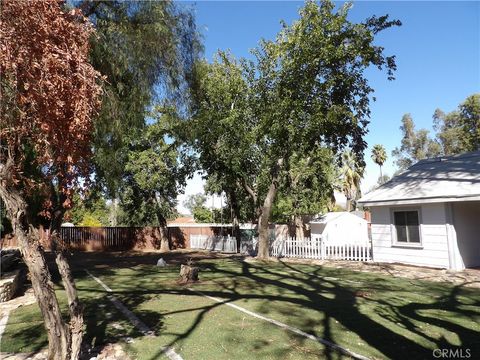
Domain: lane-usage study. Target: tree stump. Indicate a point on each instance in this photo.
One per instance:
(188, 273)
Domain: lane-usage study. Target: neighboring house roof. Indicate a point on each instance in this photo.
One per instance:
(183, 220)
(335, 216)
(451, 178)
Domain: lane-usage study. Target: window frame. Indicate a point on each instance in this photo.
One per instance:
(393, 229)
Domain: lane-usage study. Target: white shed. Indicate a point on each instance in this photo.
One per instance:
(430, 214)
(340, 228)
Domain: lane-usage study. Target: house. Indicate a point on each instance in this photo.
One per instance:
(430, 214)
(340, 228)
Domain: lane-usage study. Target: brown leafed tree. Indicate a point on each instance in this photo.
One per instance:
(49, 92)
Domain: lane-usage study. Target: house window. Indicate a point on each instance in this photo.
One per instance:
(407, 227)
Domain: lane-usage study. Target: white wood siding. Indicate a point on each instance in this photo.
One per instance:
(433, 233)
(466, 217)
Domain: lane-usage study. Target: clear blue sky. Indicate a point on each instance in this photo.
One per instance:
(437, 50)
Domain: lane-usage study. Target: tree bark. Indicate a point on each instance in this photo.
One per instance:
(299, 227)
(263, 230)
(57, 332)
(164, 242)
(349, 204)
(264, 212)
(235, 218)
(162, 223)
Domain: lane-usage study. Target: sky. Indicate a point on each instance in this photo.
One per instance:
(437, 51)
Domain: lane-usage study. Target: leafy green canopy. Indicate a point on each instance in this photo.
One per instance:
(306, 91)
(146, 50)
(456, 132)
(459, 130)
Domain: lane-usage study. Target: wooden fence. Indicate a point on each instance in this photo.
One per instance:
(105, 238)
(148, 238)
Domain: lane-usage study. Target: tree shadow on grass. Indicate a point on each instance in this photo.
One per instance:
(343, 306)
(391, 326)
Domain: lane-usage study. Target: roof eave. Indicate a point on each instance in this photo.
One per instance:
(421, 200)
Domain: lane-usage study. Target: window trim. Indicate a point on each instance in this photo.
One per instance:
(393, 230)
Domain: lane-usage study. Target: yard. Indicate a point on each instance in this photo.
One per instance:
(374, 315)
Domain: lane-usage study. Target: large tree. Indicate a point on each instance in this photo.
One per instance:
(146, 50)
(307, 189)
(459, 130)
(153, 174)
(306, 90)
(416, 145)
(49, 94)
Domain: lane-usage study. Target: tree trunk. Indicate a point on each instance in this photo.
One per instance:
(299, 227)
(57, 332)
(164, 242)
(265, 213)
(381, 175)
(59, 247)
(188, 273)
(162, 222)
(235, 218)
(75, 327)
(349, 204)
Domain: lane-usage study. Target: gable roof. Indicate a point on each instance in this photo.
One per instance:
(451, 178)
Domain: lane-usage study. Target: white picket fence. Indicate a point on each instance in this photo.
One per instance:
(213, 243)
(318, 248)
(306, 248)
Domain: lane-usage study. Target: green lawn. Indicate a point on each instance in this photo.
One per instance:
(370, 314)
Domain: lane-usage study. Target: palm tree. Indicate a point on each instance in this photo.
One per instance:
(352, 174)
(379, 156)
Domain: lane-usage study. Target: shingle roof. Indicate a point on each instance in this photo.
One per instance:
(451, 178)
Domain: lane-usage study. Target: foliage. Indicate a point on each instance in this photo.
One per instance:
(202, 214)
(195, 200)
(154, 172)
(49, 95)
(351, 174)
(90, 221)
(379, 156)
(456, 132)
(89, 209)
(146, 50)
(305, 91)
(415, 145)
(308, 187)
(459, 131)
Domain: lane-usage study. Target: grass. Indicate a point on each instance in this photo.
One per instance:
(374, 315)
